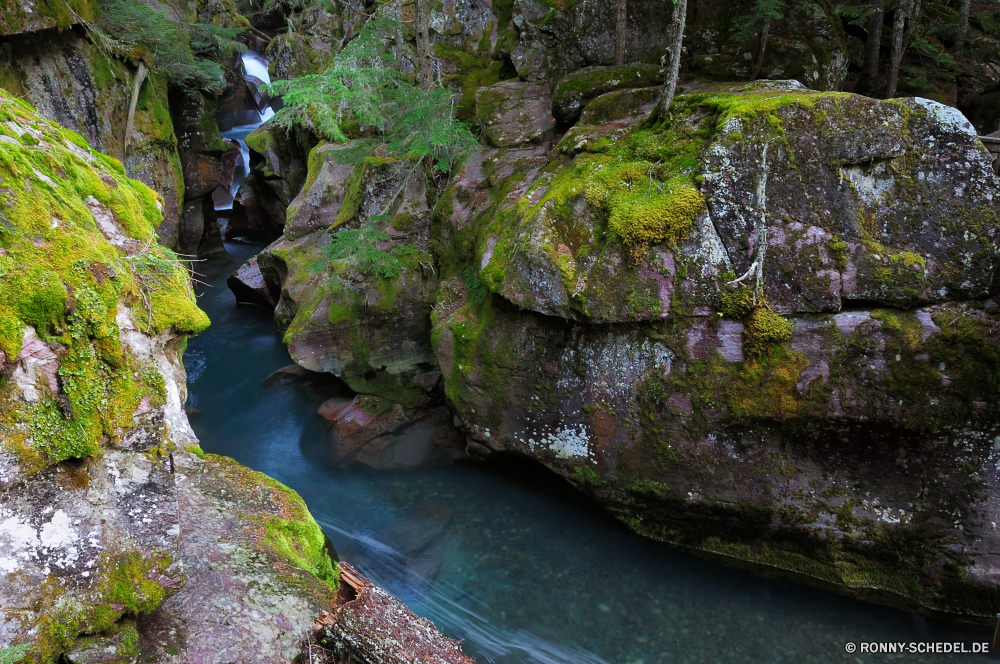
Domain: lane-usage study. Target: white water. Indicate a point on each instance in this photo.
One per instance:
(393, 571)
(255, 65)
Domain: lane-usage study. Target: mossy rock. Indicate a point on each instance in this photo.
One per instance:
(621, 105)
(77, 248)
(577, 89)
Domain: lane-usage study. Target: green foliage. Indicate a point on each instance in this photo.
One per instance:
(855, 14)
(131, 30)
(360, 246)
(12, 654)
(748, 25)
(364, 94)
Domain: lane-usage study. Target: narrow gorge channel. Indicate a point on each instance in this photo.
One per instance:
(504, 555)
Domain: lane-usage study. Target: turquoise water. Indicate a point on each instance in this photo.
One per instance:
(505, 555)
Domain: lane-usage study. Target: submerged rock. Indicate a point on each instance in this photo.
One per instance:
(383, 435)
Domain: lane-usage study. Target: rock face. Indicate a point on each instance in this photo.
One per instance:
(760, 330)
(107, 513)
(373, 334)
(515, 113)
(69, 81)
(850, 443)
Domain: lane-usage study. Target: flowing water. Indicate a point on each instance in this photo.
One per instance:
(504, 555)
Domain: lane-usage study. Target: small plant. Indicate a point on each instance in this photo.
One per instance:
(364, 94)
(360, 246)
(134, 31)
(762, 326)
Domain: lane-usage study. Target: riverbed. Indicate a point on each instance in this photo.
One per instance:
(506, 555)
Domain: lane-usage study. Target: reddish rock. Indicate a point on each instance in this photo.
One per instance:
(373, 432)
(249, 286)
(515, 113)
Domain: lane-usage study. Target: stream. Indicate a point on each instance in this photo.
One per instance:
(505, 555)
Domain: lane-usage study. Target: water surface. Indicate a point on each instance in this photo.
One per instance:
(505, 556)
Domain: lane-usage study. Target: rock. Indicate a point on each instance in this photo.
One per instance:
(372, 335)
(308, 47)
(257, 212)
(892, 257)
(249, 287)
(515, 113)
(383, 435)
(107, 506)
(283, 159)
(321, 200)
(574, 91)
(630, 106)
(266, 601)
(71, 82)
(363, 613)
(199, 235)
(200, 145)
(293, 374)
(737, 434)
(119, 647)
(21, 18)
(222, 195)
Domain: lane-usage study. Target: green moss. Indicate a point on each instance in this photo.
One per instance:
(471, 72)
(18, 18)
(285, 527)
(60, 275)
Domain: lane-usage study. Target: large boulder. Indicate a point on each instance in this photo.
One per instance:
(360, 310)
(860, 203)
(801, 371)
(574, 91)
(515, 113)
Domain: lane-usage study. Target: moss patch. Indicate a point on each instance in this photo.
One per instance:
(62, 276)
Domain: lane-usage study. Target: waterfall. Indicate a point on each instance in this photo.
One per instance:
(255, 74)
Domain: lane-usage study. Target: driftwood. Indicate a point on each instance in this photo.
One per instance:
(367, 625)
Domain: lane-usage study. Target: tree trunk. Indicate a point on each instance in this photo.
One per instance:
(674, 66)
(911, 26)
(424, 74)
(759, 60)
(869, 76)
(963, 26)
(621, 16)
(903, 9)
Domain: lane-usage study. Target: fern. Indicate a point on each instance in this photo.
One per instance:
(364, 94)
(131, 30)
(360, 246)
